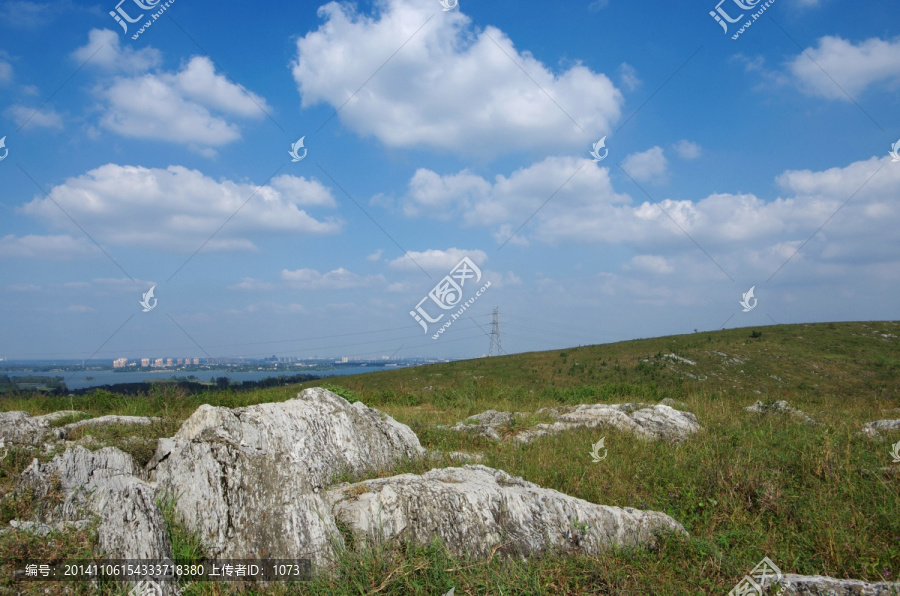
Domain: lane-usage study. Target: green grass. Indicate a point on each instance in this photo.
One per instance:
(813, 498)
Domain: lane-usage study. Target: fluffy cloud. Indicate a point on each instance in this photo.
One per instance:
(647, 166)
(190, 106)
(176, 107)
(509, 200)
(26, 117)
(179, 209)
(436, 260)
(450, 87)
(854, 67)
(338, 279)
(103, 50)
(687, 149)
(739, 229)
(58, 248)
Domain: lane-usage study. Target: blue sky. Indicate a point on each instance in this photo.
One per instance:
(163, 161)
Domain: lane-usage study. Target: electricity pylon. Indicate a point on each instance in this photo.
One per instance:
(496, 346)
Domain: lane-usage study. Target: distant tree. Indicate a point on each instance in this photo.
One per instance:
(222, 382)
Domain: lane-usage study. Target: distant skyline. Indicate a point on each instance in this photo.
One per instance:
(170, 158)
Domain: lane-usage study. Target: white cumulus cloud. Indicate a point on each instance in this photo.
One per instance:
(647, 166)
(436, 260)
(179, 209)
(103, 50)
(192, 106)
(851, 67)
(450, 87)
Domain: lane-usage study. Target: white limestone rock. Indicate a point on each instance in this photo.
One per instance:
(779, 407)
(872, 429)
(820, 585)
(63, 432)
(248, 480)
(659, 422)
(477, 511)
(103, 484)
(486, 423)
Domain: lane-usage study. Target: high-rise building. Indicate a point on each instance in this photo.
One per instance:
(168, 362)
(120, 362)
(158, 362)
(145, 362)
(196, 361)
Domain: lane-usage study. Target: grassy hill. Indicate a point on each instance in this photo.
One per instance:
(816, 499)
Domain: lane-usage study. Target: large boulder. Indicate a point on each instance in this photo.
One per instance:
(659, 422)
(819, 585)
(477, 511)
(248, 480)
(103, 484)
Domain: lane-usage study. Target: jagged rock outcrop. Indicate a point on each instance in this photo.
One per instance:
(779, 407)
(486, 423)
(819, 585)
(248, 480)
(477, 511)
(104, 484)
(872, 428)
(659, 422)
(63, 432)
(21, 428)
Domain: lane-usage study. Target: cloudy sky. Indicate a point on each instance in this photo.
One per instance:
(158, 156)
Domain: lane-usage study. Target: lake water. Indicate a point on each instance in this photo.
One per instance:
(78, 380)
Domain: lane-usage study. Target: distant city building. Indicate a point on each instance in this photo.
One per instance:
(168, 362)
(196, 361)
(158, 362)
(145, 362)
(120, 362)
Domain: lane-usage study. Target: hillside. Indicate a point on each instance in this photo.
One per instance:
(816, 498)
